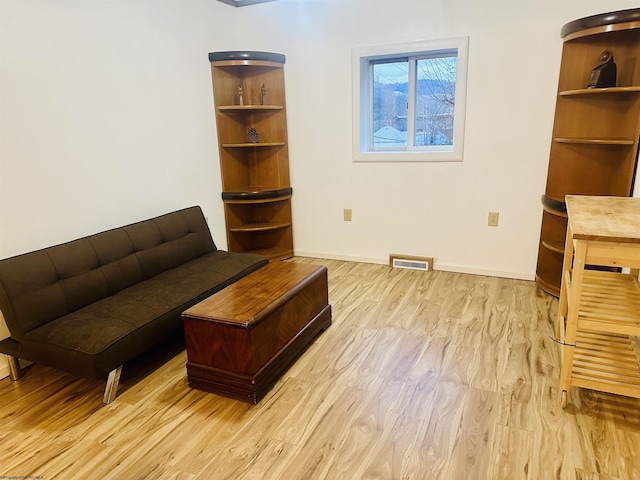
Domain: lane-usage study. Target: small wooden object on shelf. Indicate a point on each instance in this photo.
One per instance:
(253, 148)
(604, 75)
(598, 322)
(594, 145)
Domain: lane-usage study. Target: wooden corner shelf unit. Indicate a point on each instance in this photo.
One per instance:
(250, 108)
(594, 147)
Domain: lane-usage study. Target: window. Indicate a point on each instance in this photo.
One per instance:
(409, 101)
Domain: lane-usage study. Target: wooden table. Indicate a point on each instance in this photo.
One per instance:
(598, 320)
(242, 339)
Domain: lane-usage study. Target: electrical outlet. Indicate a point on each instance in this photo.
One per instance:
(493, 219)
(347, 214)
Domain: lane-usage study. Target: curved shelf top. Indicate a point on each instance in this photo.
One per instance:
(253, 108)
(246, 56)
(257, 193)
(555, 206)
(601, 20)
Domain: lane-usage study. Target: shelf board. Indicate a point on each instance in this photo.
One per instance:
(610, 302)
(595, 141)
(274, 254)
(259, 227)
(605, 362)
(554, 205)
(599, 91)
(555, 247)
(548, 287)
(253, 145)
(250, 108)
(249, 194)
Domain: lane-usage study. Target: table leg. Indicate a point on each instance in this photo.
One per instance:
(562, 301)
(573, 300)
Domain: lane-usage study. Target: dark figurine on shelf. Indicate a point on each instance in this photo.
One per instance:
(263, 92)
(604, 75)
(240, 96)
(252, 136)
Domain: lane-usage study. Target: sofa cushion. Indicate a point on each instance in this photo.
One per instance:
(103, 335)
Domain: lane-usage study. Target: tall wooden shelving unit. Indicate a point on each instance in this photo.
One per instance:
(249, 98)
(594, 147)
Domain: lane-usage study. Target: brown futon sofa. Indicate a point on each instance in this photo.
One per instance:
(90, 305)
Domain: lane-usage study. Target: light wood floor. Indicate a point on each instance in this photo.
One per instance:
(421, 376)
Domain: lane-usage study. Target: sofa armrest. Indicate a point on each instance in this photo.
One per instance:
(10, 346)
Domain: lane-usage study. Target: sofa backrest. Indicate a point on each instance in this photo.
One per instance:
(40, 286)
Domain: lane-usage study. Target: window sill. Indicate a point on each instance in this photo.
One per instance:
(396, 157)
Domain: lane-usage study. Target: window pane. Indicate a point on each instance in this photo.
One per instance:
(435, 100)
(390, 81)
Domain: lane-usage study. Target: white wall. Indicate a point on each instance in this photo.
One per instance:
(106, 117)
(437, 209)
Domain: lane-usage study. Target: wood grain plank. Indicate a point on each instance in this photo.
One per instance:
(517, 389)
(432, 375)
(316, 455)
(474, 441)
(511, 448)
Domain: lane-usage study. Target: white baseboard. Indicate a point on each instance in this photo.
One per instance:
(436, 266)
(485, 272)
(346, 258)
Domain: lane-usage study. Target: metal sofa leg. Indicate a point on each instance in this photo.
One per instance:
(15, 372)
(112, 385)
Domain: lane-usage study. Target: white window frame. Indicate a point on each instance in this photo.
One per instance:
(362, 85)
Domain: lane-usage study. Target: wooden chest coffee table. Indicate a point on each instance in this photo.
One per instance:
(243, 338)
